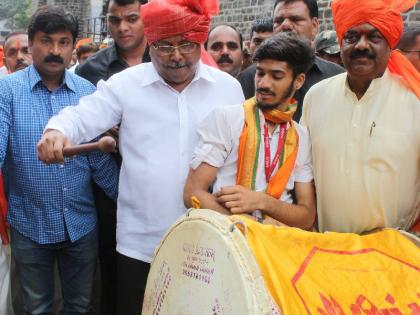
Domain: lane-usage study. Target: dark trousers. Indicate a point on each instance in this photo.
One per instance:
(107, 226)
(132, 278)
(35, 265)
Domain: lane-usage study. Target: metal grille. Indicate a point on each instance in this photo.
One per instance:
(95, 28)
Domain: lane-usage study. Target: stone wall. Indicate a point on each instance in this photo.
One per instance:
(241, 13)
(79, 8)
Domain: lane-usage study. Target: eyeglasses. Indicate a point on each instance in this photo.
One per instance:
(164, 50)
(411, 51)
(353, 37)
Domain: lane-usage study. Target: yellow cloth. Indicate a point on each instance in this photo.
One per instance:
(249, 146)
(333, 273)
(365, 154)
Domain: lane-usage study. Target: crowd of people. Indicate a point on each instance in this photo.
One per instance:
(316, 130)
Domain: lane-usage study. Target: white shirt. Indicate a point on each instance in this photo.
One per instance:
(157, 137)
(219, 142)
(366, 154)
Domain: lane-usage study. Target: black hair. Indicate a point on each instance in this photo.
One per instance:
(241, 41)
(51, 19)
(90, 47)
(14, 34)
(124, 2)
(408, 38)
(311, 5)
(289, 47)
(262, 25)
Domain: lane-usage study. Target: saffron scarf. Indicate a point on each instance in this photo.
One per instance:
(249, 148)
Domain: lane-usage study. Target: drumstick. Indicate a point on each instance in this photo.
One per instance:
(105, 144)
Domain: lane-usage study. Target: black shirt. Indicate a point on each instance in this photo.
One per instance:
(104, 64)
(321, 70)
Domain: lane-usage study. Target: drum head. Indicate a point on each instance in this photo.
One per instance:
(204, 266)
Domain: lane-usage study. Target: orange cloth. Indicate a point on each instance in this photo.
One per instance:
(84, 41)
(384, 15)
(3, 210)
(1, 56)
(207, 59)
(249, 146)
(167, 18)
(336, 273)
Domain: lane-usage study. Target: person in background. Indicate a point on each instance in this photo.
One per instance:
(225, 46)
(364, 124)
(300, 17)
(85, 51)
(246, 56)
(128, 48)
(3, 69)
(409, 45)
(326, 47)
(17, 57)
(261, 30)
(159, 106)
(51, 211)
(16, 51)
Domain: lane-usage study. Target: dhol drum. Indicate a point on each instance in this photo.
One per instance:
(204, 266)
(212, 264)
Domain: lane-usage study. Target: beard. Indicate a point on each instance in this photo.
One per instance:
(284, 97)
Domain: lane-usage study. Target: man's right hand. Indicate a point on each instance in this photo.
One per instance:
(50, 147)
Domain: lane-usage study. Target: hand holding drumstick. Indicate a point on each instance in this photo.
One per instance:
(54, 146)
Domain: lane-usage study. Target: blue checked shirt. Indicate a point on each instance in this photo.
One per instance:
(47, 203)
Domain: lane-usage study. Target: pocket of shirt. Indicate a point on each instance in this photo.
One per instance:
(387, 148)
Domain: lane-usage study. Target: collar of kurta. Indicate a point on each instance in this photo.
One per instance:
(153, 76)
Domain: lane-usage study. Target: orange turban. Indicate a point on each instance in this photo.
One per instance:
(384, 15)
(84, 41)
(1, 56)
(167, 18)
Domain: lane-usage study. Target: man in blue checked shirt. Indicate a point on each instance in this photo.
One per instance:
(51, 208)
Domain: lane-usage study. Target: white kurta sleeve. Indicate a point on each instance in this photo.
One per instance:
(303, 172)
(95, 113)
(214, 140)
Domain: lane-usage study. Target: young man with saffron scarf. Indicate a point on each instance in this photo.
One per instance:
(254, 154)
(364, 124)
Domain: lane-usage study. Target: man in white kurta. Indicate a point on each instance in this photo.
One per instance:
(158, 106)
(364, 128)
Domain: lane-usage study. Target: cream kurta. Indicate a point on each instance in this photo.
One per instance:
(366, 154)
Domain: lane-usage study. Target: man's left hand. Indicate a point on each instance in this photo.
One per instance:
(239, 199)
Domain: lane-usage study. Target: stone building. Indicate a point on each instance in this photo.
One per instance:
(84, 10)
(241, 13)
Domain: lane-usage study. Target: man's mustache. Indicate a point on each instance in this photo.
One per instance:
(176, 65)
(21, 64)
(265, 91)
(54, 58)
(362, 53)
(225, 59)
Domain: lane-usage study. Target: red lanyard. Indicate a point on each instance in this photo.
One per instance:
(269, 167)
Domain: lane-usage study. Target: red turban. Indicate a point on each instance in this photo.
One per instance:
(384, 15)
(1, 56)
(167, 18)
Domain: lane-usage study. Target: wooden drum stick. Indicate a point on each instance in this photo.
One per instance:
(105, 144)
